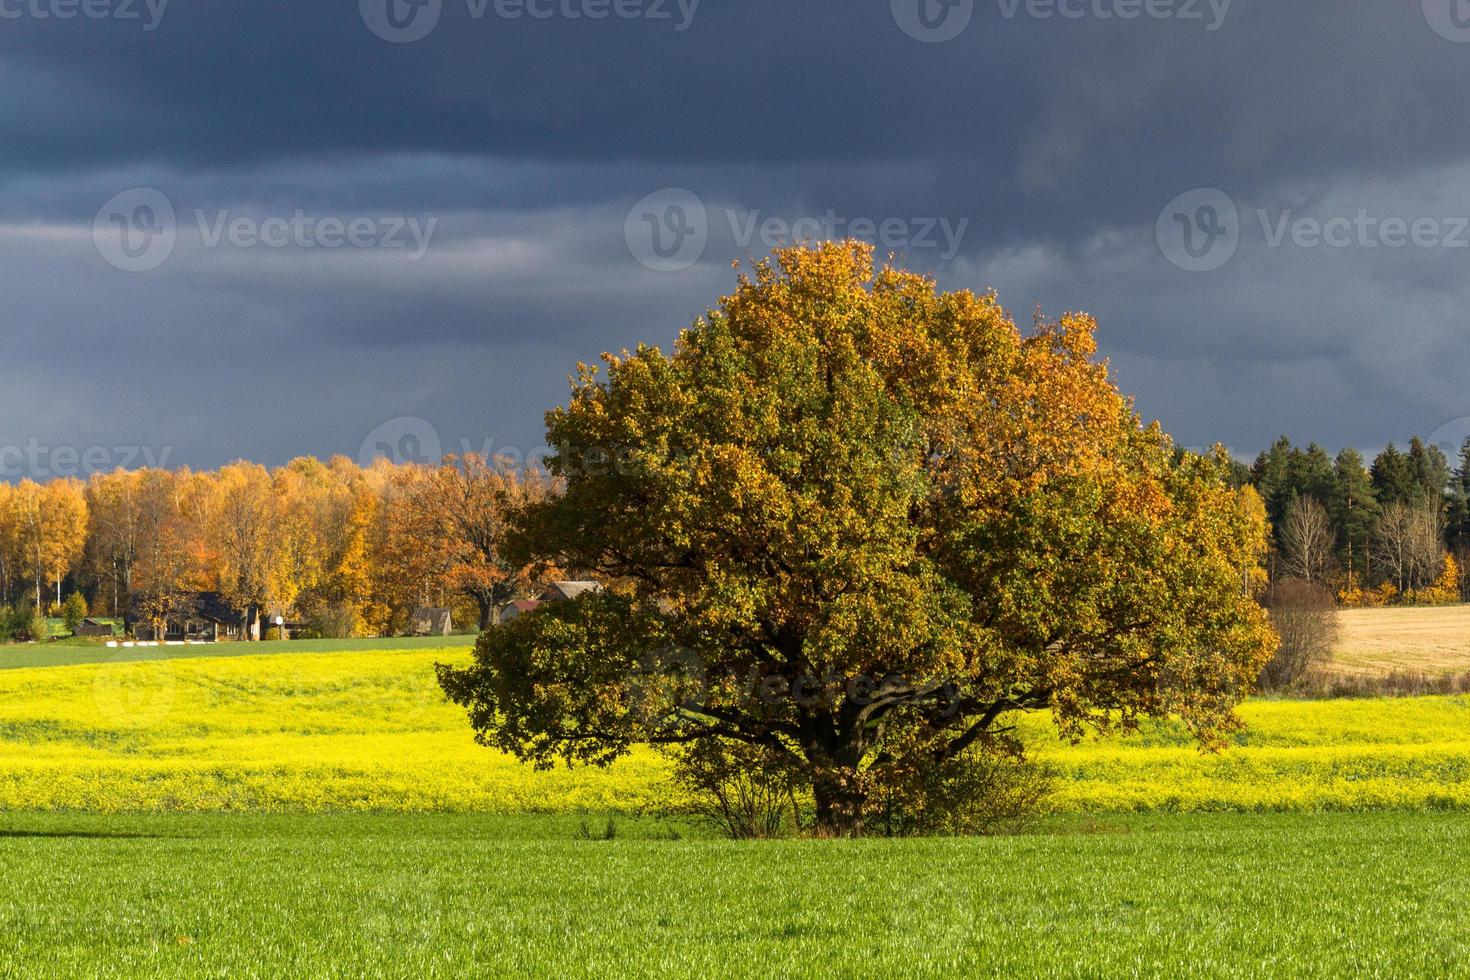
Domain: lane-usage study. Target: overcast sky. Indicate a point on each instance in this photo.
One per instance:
(281, 227)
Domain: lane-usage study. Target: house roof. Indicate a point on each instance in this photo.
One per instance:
(208, 606)
(570, 590)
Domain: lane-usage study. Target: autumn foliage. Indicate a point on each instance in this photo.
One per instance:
(351, 551)
(855, 523)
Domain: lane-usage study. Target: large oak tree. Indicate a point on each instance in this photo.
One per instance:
(857, 522)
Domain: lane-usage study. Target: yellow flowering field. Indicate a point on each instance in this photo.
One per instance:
(1295, 755)
(368, 731)
(349, 731)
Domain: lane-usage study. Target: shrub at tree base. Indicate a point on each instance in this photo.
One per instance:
(748, 792)
(854, 522)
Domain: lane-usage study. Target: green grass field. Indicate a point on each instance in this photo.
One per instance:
(70, 653)
(1212, 895)
(316, 809)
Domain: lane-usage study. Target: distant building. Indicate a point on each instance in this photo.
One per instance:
(201, 617)
(519, 607)
(93, 627)
(567, 591)
(432, 622)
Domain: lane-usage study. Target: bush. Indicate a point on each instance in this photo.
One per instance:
(73, 611)
(334, 622)
(1305, 617)
(986, 790)
(38, 628)
(748, 793)
(13, 622)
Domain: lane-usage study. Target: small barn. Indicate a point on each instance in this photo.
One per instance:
(428, 621)
(519, 607)
(93, 627)
(567, 591)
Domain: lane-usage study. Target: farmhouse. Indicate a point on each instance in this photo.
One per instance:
(197, 616)
(555, 592)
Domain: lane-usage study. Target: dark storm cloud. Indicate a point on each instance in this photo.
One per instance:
(1047, 146)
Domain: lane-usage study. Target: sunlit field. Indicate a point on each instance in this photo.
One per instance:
(369, 731)
(1381, 894)
(345, 731)
(326, 813)
(1432, 640)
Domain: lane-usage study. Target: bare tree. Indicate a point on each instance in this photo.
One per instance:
(1305, 617)
(1409, 545)
(1307, 540)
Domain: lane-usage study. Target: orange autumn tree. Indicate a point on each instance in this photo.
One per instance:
(852, 523)
(459, 512)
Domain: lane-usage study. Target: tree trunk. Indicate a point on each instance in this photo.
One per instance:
(840, 804)
(489, 612)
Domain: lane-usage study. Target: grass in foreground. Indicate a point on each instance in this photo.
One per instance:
(370, 731)
(1219, 895)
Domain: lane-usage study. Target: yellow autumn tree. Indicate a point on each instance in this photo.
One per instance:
(50, 532)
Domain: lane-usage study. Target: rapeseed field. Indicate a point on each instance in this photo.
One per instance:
(368, 731)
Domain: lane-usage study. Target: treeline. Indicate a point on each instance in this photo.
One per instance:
(351, 551)
(1395, 530)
